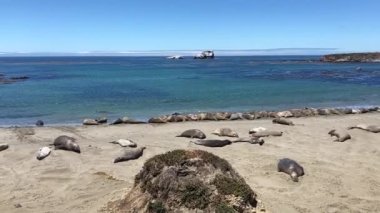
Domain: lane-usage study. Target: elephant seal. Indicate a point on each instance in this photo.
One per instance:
(127, 120)
(101, 120)
(117, 121)
(43, 152)
(252, 140)
(3, 146)
(130, 154)
(282, 121)
(66, 143)
(257, 129)
(369, 128)
(89, 121)
(212, 143)
(266, 133)
(340, 136)
(158, 120)
(193, 133)
(39, 123)
(291, 168)
(225, 132)
(125, 143)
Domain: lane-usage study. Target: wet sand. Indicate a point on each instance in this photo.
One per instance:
(340, 177)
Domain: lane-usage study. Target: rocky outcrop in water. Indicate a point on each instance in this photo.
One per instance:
(10, 80)
(352, 57)
(205, 55)
(188, 181)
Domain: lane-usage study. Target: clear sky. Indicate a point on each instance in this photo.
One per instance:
(122, 25)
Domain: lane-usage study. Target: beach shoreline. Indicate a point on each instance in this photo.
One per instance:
(339, 177)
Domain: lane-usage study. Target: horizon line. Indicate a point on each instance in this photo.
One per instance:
(183, 52)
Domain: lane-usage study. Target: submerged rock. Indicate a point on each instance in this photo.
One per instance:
(205, 55)
(187, 181)
(352, 57)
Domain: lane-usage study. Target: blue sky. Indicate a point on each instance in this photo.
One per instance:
(140, 25)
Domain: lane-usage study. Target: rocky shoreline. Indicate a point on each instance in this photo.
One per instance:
(233, 116)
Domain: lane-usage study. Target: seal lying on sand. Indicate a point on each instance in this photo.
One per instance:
(225, 132)
(3, 146)
(369, 128)
(252, 140)
(212, 143)
(257, 129)
(66, 143)
(291, 168)
(266, 133)
(43, 152)
(193, 133)
(130, 154)
(282, 121)
(340, 136)
(125, 143)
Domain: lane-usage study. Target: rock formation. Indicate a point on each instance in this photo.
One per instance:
(187, 181)
(205, 55)
(352, 57)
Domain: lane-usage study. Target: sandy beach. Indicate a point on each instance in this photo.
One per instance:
(339, 177)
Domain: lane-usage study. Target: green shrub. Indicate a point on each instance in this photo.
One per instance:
(237, 187)
(224, 208)
(195, 195)
(156, 207)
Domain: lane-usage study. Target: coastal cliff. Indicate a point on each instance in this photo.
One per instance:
(352, 57)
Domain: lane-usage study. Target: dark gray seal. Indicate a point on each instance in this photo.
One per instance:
(212, 143)
(101, 120)
(340, 136)
(193, 133)
(291, 168)
(130, 154)
(66, 143)
(283, 121)
(3, 146)
(39, 123)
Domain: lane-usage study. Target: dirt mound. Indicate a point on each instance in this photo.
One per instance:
(187, 181)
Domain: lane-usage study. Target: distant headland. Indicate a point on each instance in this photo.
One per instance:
(352, 57)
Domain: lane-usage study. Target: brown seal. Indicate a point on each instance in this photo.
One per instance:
(66, 143)
(283, 121)
(340, 136)
(193, 133)
(369, 128)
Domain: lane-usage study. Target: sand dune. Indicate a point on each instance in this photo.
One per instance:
(339, 177)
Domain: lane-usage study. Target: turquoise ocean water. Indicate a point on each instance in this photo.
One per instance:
(68, 89)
